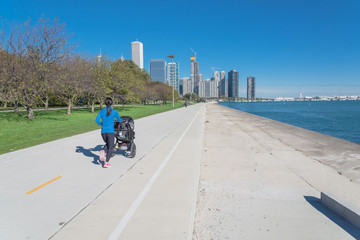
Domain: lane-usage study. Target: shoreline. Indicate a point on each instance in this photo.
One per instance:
(340, 154)
(263, 179)
(336, 119)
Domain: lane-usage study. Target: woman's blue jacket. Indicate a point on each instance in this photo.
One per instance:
(107, 122)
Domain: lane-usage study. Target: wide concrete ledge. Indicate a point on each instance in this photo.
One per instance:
(346, 210)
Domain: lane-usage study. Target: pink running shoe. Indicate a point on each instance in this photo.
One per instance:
(102, 155)
(107, 165)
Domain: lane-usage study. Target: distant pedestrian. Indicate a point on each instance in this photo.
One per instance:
(185, 104)
(105, 119)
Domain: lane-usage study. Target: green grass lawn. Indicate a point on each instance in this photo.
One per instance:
(17, 132)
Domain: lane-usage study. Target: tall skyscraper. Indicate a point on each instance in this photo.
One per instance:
(223, 87)
(186, 85)
(214, 88)
(195, 74)
(233, 83)
(173, 76)
(216, 76)
(137, 54)
(251, 88)
(158, 70)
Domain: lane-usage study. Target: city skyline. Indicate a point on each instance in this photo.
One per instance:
(307, 46)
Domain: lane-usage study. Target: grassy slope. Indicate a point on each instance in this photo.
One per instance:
(17, 132)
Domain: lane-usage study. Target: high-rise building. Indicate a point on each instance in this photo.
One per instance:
(158, 70)
(223, 87)
(181, 87)
(204, 88)
(216, 76)
(137, 54)
(173, 76)
(195, 74)
(186, 85)
(209, 88)
(214, 89)
(233, 83)
(251, 88)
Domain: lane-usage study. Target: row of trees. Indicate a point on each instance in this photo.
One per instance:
(38, 63)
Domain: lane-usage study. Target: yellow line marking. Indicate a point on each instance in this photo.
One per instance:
(35, 189)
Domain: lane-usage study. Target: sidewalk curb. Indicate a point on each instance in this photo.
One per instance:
(346, 210)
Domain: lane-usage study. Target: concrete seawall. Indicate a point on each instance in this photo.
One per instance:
(262, 179)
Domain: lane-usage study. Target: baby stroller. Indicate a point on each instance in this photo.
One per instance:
(124, 136)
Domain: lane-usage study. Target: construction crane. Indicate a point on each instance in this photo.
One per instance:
(193, 52)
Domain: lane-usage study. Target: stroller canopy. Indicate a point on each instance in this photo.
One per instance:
(128, 119)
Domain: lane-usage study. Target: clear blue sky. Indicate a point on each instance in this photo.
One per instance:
(290, 46)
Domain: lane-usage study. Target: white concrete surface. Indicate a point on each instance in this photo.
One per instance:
(167, 210)
(257, 183)
(205, 172)
(41, 214)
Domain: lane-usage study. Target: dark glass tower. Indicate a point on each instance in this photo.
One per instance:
(251, 88)
(233, 83)
(223, 89)
(158, 70)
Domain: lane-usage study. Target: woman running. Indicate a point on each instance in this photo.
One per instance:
(106, 118)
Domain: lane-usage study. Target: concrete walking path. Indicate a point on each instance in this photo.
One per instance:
(156, 198)
(82, 181)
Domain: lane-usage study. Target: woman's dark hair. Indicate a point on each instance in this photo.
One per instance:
(108, 103)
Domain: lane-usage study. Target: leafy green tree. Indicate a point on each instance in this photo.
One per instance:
(191, 96)
(99, 86)
(128, 81)
(120, 78)
(75, 73)
(138, 86)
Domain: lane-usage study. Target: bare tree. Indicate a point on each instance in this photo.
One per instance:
(50, 47)
(33, 55)
(148, 93)
(21, 78)
(9, 84)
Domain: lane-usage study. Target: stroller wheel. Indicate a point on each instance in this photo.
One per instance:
(132, 150)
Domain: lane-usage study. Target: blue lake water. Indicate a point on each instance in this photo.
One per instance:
(339, 119)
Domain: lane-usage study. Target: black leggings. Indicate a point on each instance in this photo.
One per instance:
(109, 140)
